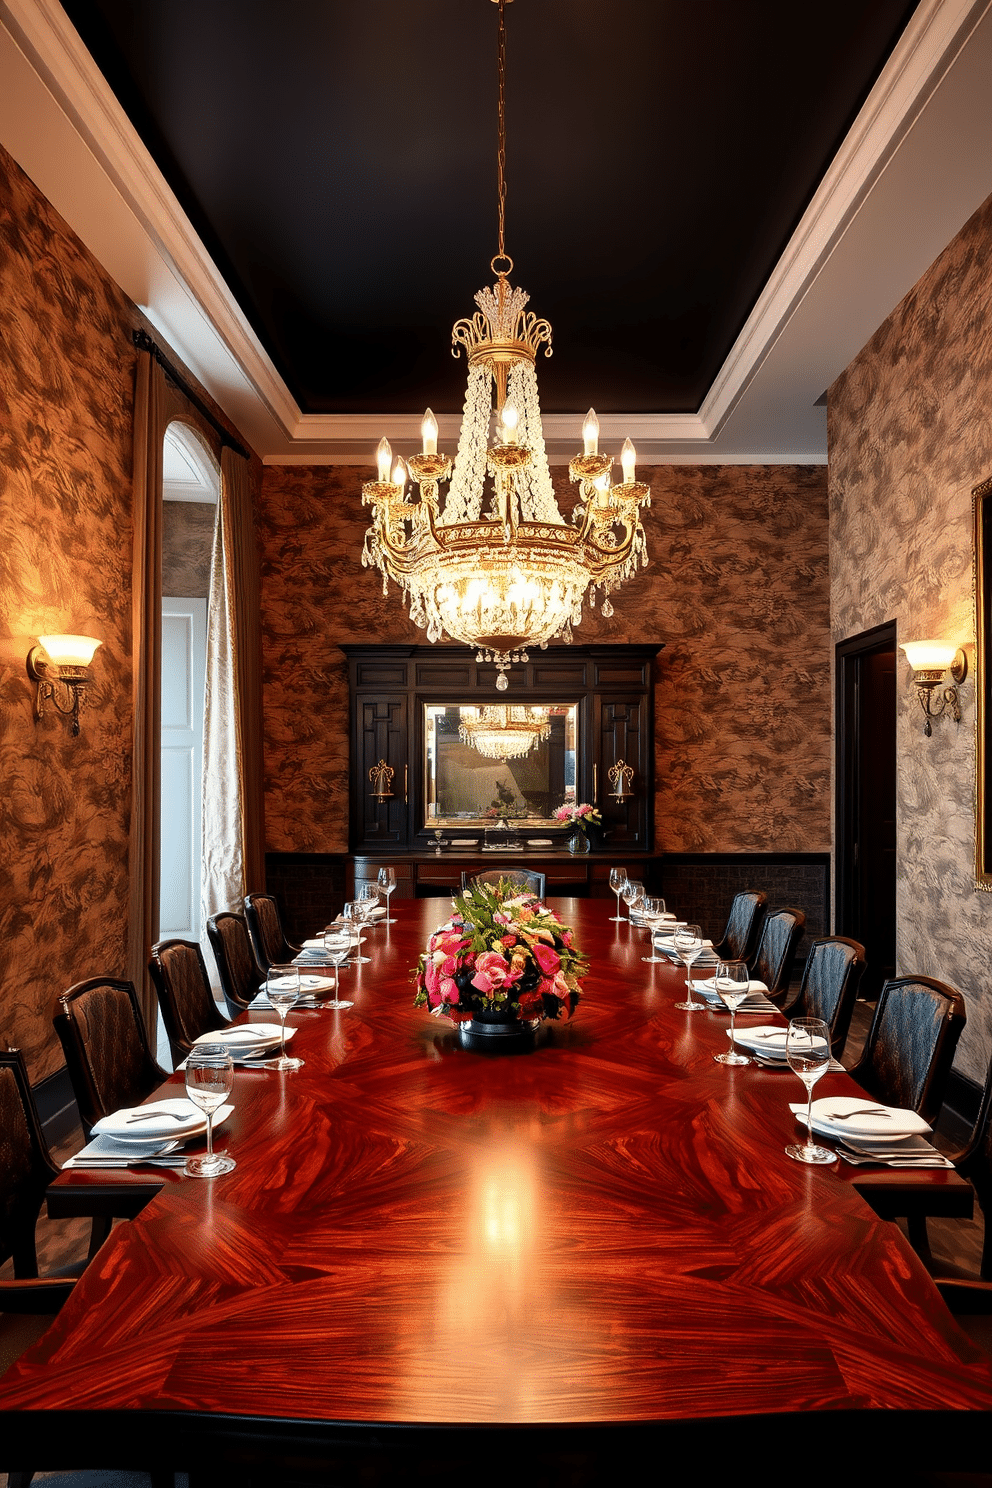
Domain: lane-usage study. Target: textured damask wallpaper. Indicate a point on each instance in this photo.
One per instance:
(910, 435)
(737, 588)
(66, 392)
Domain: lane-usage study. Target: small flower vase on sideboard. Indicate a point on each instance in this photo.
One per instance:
(578, 842)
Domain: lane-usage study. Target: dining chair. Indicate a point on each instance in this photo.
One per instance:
(27, 1301)
(910, 1045)
(240, 977)
(740, 938)
(106, 1048)
(265, 931)
(776, 953)
(522, 878)
(184, 994)
(829, 987)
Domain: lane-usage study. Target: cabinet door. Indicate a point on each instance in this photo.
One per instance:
(382, 733)
(622, 738)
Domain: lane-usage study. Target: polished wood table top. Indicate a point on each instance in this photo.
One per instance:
(604, 1229)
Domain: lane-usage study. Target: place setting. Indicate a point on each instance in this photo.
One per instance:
(154, 1135)
(869, 1132)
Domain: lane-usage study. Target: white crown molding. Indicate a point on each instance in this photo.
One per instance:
(45, 35)
(933, 38)
(62, 123)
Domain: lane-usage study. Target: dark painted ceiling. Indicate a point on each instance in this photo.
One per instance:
(338, 160)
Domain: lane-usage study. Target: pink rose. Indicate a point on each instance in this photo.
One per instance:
(548, 960)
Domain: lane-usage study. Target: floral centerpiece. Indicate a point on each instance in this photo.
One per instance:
(502, 953)
(580, 816)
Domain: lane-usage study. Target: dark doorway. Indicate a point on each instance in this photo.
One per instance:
(866, 799)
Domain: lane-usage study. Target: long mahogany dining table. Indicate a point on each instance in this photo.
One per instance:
(434, 1260)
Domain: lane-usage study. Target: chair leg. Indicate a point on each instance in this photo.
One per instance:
(919, 1238)
(19, 1479)
(162, 1478)
(100, 1230)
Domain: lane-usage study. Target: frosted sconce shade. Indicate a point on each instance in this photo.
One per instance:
(929, 656)
(70, 650)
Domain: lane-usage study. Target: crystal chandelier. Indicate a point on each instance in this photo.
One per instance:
(503, 731)
(500, 569)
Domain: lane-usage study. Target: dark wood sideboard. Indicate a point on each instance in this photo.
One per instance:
(612, 690)
(420, 875)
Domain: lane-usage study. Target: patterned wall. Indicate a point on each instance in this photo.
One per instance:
(187, 543)
(737, 588)
(910, 435)
(66, 393)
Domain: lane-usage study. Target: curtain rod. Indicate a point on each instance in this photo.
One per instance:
(144, 342)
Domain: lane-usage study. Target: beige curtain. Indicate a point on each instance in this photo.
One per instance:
(233, 859)
(153, 405)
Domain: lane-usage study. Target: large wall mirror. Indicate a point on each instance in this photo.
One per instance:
(511, 761)
(983, 683)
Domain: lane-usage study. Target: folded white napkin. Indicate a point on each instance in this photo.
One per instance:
(707, 985)
(860, 1116)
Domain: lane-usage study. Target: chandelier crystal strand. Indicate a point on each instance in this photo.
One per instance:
(504, 731)
(500, 569)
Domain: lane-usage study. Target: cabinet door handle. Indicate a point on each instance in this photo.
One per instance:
(406, 782)
(595, 783)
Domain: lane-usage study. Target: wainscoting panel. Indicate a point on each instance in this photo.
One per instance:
(309, 888)
(701, 887)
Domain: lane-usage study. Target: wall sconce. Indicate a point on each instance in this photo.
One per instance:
(621, 778)
(931, 660)
(60, 668)
(381, 776)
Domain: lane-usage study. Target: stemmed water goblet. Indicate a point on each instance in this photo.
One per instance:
(282, 988)
(632, 893)
(337, 945)
(807, 1049)
(618, 877)
(209, 1078)
(354, 920)
(732, 983)
(688, 944)
(652, 913)
(368, 898)
(387, 883)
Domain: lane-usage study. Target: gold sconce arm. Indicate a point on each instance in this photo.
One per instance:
(621, 778)
(381, 776)
(60, 669)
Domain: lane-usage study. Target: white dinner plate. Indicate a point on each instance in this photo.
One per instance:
(311, 983)
(122, 1126)
(891, 1124)
(708, 984)
(767, 1040)
(246, 1037)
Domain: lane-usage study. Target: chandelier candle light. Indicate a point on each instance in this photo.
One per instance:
(514, 575)
(503, 731)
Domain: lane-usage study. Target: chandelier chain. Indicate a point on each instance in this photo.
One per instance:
(501, 128)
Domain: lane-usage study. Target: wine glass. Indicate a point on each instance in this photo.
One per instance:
(209, 1079)
(387, 883)
(354, 920)
(807, 1048)
(632, 892)
(688, 945)
(368, 898)
(282, 988)
(732, 983)
(652, 910)
(618, 877)
(337, 945)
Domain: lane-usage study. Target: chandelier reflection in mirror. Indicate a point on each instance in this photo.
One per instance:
(499, 568)
(503, 731)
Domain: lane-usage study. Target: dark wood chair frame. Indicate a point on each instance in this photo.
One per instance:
(184, 1022)
(238, 990)
(81, 1073)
